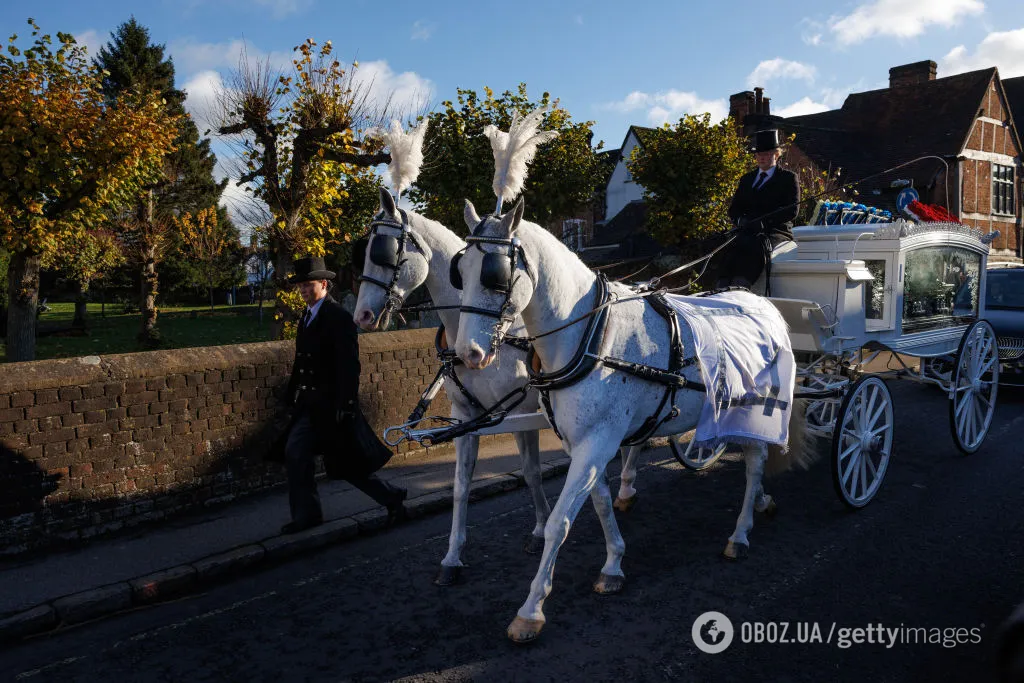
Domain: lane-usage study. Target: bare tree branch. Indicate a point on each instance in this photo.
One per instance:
(357, 159)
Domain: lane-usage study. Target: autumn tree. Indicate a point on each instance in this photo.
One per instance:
(131, 63)
(259, 261)
(689, 173)
(83, 258)
(205, 242)
(563, 175)
(68, 160)
(299, 136)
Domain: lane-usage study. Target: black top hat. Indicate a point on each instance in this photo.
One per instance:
(766, 140)
(310, 268)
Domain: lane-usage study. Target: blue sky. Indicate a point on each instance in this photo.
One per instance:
(640, 62)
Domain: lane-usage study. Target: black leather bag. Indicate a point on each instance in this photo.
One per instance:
(358, 453)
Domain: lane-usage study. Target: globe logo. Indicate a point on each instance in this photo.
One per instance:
(712, 632)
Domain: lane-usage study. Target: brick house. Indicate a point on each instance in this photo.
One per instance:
(959, 129)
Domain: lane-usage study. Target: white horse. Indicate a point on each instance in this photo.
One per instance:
(548, 287)
(425, 260)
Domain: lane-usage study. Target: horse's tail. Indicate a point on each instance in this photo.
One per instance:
(801, 450)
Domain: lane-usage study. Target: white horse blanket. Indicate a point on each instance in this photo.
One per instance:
(747, 364)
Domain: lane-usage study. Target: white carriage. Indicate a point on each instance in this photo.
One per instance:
(857, 295)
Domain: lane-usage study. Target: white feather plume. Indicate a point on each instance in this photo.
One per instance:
(406, 154)
(514, 150)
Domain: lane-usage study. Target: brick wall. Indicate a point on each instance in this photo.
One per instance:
(90, 445)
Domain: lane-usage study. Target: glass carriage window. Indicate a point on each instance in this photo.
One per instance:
(940, 286)
(874, 291)
(1002, 189)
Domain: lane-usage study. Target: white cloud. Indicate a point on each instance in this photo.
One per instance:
(91, 41)
(899, 18)
(778, 68)
(201, 100)
(1001, 49)
(801, 107)
(422, 30)
(191, 57)
(409, 92)
(669, 106)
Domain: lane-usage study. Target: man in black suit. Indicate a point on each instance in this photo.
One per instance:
(763, 209)
(324, 392)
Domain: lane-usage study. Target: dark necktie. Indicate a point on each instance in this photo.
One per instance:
(760, 180)
(305, 320)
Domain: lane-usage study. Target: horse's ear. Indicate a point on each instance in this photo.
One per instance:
(387, 203)
(469, 213)
(510, 221)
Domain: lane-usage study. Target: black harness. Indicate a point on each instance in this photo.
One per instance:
(587, 357)
(497, 273)
(449, 361)
(387, 251)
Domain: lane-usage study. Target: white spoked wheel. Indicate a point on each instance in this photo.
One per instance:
(695, 458)
(862, 441)
(972, 393)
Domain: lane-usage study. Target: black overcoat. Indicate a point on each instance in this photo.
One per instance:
(325, 383)
(767, 212)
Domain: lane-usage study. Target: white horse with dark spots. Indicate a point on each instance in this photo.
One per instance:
(611, 392)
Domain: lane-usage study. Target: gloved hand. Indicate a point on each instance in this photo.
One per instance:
(344, 412)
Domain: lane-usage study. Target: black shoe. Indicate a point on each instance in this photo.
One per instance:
(297, 526)
(396, 510)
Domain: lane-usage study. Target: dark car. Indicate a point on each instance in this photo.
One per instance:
(1004, 306)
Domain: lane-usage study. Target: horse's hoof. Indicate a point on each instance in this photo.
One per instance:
(625, 504)
(735, 551)
(771, 509)
(609, 585)
(448, 576)
(534, 545)
(524, 630)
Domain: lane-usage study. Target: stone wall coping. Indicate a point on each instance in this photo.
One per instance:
(377, 342)
(63, 372)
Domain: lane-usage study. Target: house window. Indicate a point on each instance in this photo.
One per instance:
(1002, 189)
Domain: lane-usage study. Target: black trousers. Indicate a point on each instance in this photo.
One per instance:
(303, 498)
(741, 263)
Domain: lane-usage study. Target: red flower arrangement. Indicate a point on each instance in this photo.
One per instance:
(929, 213)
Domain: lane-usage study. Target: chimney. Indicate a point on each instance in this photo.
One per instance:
(912, 74)
(741, 104)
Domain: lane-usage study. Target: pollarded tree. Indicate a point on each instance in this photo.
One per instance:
(689, 173)
(300, 136)
(68, 160)
(563, 175)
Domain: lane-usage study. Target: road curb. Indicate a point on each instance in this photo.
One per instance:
(173, 582)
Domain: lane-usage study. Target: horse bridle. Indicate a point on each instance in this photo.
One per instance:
(496, 274)
(387, 251)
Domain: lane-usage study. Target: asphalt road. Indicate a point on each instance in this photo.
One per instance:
(939, 548)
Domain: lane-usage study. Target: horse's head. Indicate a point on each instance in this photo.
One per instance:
(497, 283)
(397, 262)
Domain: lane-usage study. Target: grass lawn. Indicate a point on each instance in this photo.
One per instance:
(179, 326)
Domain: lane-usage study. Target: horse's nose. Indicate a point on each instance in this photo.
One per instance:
(364, 318)
(475, 357)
